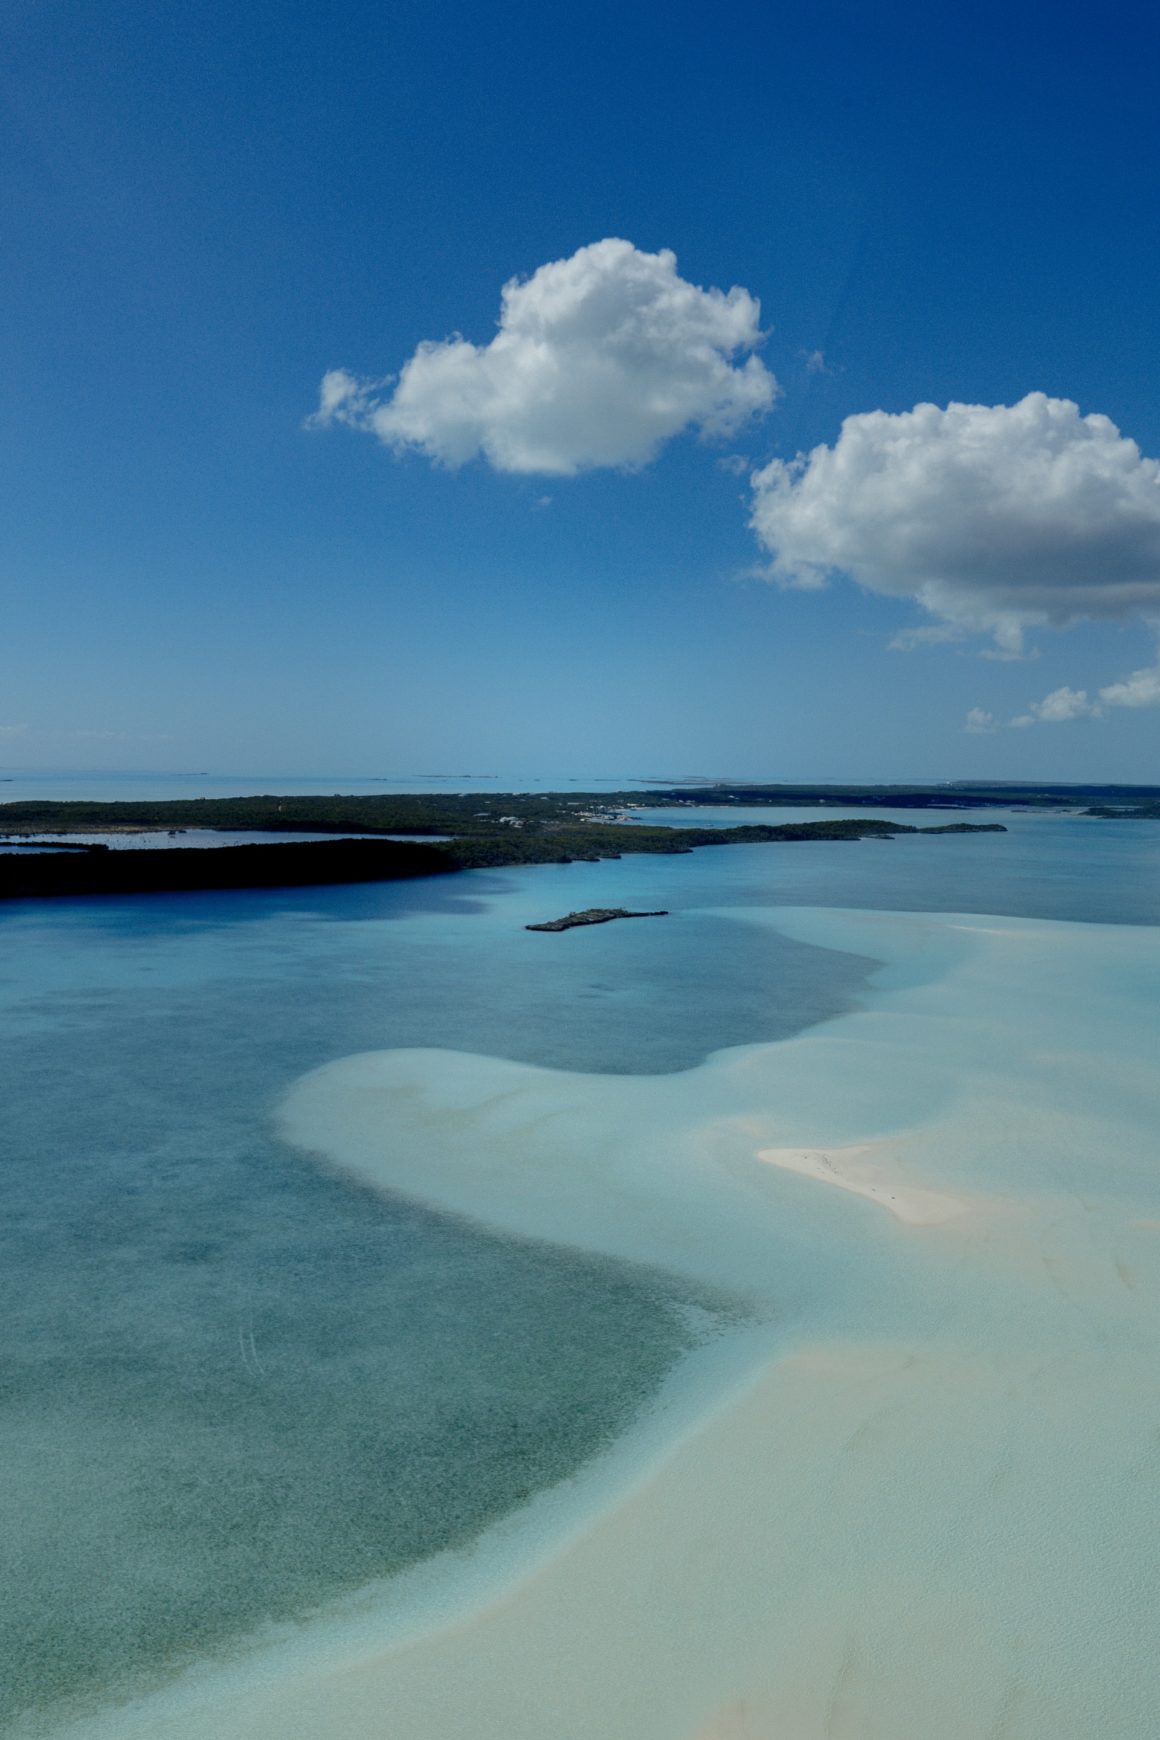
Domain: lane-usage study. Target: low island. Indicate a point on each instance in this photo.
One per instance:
(593, 915)
(444, 833)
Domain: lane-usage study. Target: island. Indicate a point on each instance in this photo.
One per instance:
(594, 915)
(445, 833)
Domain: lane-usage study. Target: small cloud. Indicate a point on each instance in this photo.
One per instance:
(980, 722)
(1141, 689)
(343, 398)
(13, 730)
(1063, 704)
(541, 502)
(816, 362)
(735, 463)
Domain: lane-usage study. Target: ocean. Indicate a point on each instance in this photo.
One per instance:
(385, 1283)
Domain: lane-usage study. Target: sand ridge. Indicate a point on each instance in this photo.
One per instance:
(849, 1169)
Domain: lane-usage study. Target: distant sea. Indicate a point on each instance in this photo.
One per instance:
(19, 786)
(238, 1385)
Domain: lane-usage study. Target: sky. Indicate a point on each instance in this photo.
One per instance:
(599, 391)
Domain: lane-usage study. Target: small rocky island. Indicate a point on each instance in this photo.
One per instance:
(593, 915)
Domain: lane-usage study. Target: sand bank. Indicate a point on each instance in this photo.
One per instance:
(933, 1511)
(882, 1543)
(859, 1169)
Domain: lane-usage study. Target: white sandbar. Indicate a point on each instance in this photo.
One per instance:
(935, 1510)
(850, 1169)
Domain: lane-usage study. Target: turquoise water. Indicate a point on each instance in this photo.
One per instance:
(934, 1510)
(232, 1385)
(237, 1384)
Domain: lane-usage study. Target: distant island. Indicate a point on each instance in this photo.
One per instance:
(467, 831)
(593, 915)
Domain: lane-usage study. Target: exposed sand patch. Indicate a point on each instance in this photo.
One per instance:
(849, 1169)
(741, 1721)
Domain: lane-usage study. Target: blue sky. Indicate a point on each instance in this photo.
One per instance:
(208, 209)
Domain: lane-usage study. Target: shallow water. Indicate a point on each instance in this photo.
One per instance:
(232, 1385)
(935, 1512)
(240, 1385)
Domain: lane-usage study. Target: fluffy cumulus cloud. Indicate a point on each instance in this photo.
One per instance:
(1057, 708)
(993, 518)
(1141, 689)
(598, 360)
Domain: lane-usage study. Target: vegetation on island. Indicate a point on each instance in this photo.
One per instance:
(97, 870)
(955, 794)
(1141, 812)
(467, 832)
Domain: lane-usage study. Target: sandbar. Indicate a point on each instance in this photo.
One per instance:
(849, 1169)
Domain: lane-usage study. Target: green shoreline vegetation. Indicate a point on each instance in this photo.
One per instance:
(468, 813)
(468, 832)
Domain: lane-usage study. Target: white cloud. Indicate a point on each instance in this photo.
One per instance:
(1061, 705)
(992, 517)
(979, 721)
(1064, 703)
(599, 359)
(816, 363)
(1141, 689)
(340, 396)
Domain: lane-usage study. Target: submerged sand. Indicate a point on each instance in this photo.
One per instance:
(927, 1500)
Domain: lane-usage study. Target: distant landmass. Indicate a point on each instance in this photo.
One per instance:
(468, 831)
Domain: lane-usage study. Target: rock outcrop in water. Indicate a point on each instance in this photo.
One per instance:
(593, 915)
